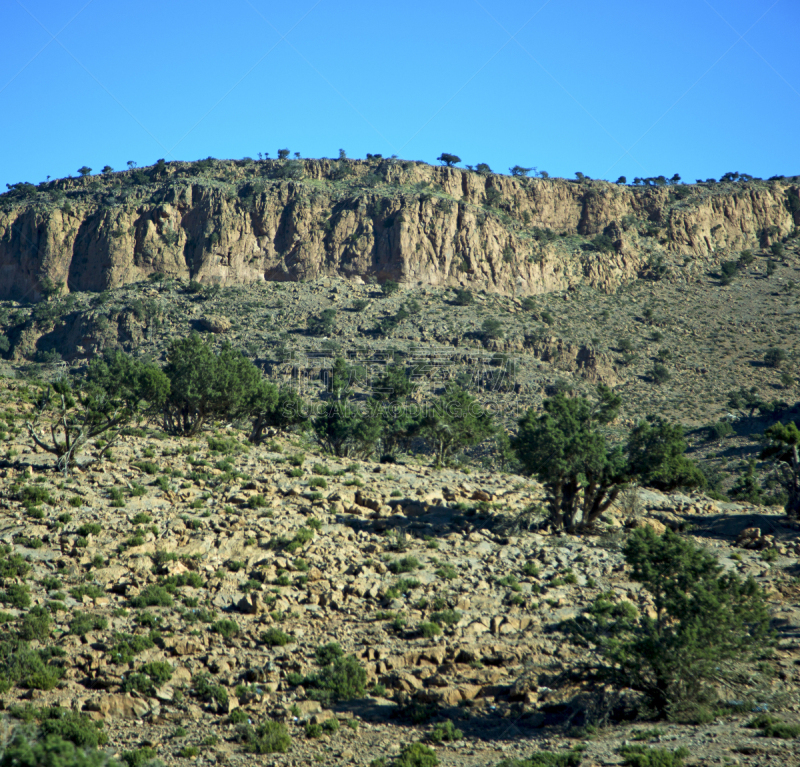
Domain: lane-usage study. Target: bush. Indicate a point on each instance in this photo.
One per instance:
(227, 628)
(77, 728)
(644, 756)
(774, 357)
(324, 324)
(455, 422)
(544, 759)
(463, 298)
(17, 595)
(343, 679)
(718, 430)
(728, 271)
(429, 630)
(446, 733)
(204, 688)
(772, 727)
(656, 454)
(12, 565)
(659, 373)
(492, 328)
(404, 565)
(416, 755)
(152, 596)
(269, 738)
(706, 621)
(124, 647)
(35, 625)
(83, 623)
(50, 751)
(389, 287)
(274, 637)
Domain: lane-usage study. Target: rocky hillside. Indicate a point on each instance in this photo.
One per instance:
(185, 589)
(221, 222)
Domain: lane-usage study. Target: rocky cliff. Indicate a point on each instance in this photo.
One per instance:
(244, 221)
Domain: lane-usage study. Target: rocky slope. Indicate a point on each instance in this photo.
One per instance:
(211, 559)
(245, 221)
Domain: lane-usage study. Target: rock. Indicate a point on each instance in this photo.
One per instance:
(117, 707)
(215, 323)
(657, 527)
(252, 603)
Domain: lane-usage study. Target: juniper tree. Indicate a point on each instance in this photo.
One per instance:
(704, 621)
(567, 450)
(205, 386)
(455, 421)
(783, 450)
(72, 412)
(656, 456)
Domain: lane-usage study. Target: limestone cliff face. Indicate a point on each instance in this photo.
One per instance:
(248, 221)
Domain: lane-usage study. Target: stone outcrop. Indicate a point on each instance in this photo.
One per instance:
(244, 222)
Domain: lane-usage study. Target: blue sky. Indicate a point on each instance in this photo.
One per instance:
(618, 87)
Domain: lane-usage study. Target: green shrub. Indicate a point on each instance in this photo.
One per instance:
(152, 596)
(343, 679)
(463, 298)
(90, 528)
(772, 727)
(269, 738)
(429, 630)
(12, 565)
(544, 759)
(35, 495)
(227, 628)
(656, 455)
(52, 751)
(86, 590)
(404, 565)
(531, 568)
(20, 665)
(706, 620)
(238, 716)
(510, 582)
(718, 430)
(644, 756)
(313, 730)
(140, 757)
(274, 637)
(69, 725)
(416, 755)
(124, 647)
(774, 357)
(659, 373)
(204, 688)
(446, 733)
(17, 595)
(141, 519)
(446, 617)
(447, 572)
(728, 271)
(328, 653)
(35, 624)
(83, 623)
(331, 725)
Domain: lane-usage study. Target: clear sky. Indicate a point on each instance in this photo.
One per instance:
(604, 87)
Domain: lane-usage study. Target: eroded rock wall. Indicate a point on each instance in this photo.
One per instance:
(412, 222)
